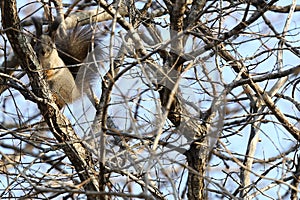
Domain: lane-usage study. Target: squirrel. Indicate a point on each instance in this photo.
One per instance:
(55, 52)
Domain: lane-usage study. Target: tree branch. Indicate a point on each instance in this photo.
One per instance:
(58, 123)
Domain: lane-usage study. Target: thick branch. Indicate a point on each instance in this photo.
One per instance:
(58, 123)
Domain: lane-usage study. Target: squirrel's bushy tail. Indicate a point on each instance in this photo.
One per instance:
(74, 46)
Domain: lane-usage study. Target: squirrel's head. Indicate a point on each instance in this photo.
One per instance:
(44, 43)
(44, 46)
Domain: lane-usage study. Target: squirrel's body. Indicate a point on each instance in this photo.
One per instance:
(60, 79)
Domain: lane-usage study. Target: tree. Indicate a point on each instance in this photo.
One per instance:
(194, 100)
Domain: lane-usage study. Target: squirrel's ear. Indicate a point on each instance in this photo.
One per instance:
(53, 28)
(37, 22)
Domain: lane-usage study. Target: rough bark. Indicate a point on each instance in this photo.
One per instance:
(61, 128)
